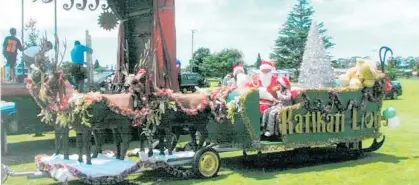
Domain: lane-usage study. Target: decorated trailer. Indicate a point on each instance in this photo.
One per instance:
(228, 119)
(339, 117)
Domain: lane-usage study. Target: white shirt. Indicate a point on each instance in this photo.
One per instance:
(32, 51)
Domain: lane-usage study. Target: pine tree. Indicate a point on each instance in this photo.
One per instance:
(33, 33)
(258, 61)
(96, 65)
(289, 46)
(316, 68)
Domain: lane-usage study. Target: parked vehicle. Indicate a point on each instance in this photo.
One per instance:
(189, 80)
(215, 82)
(396, 90)
(8, 122)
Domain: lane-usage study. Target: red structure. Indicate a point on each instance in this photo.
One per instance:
(148, 20)
(164, 38)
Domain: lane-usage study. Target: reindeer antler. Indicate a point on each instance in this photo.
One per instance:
(147, 56)
(40, 59)
(57, 62)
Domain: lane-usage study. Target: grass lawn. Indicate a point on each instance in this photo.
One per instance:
(397, 162)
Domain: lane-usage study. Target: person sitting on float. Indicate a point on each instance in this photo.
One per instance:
(283, 98)
(227, 80)
(240, 77)
(266, 82)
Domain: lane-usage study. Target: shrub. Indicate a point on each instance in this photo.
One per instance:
(392, 73)
(408, 74)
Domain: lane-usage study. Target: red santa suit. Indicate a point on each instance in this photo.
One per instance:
(268, 85)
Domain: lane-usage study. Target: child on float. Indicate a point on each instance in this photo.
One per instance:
(283, 98)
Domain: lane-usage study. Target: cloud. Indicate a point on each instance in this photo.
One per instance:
(250, 26)
(371, 14)
(360, 26)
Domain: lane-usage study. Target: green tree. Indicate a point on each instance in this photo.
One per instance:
(258, 61)
(416, 66)
(410, 61)
(96, 65)
(289, 46)
(416, 63)
(33, 33)
(198, 58)
(219, 64)
(188, 68)
(66, 67)
(341, 63)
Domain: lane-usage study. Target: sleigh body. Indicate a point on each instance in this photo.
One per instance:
(318, 117)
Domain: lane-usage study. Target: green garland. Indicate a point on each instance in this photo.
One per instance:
(46, 116)
(79, 110)
(246, 120)
(232, 112)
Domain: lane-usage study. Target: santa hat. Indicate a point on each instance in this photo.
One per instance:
(285, 82)
(266, 65)
(236, 68)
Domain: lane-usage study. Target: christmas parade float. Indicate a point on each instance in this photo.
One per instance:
(324, 112)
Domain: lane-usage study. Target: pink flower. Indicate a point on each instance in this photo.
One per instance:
(138, 122)
(28, 80)
(62, 107)
(295, 93)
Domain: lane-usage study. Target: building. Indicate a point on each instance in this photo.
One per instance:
(285, 73)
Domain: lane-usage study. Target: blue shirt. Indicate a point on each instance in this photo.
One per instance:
(178, 63)
(77, 54)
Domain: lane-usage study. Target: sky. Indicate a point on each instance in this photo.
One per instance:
(358, 27)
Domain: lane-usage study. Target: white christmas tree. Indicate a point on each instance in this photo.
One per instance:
(316, 69)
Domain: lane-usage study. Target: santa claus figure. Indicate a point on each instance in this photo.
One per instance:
(240, 78)
(268, 85)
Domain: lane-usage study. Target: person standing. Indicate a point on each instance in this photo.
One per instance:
(10, 46)
(31, 52)
(179, 74)
(78, 71)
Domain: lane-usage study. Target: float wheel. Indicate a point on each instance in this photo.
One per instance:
(206, 163)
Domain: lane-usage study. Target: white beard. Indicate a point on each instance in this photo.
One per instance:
(241, 80)
(265, 78)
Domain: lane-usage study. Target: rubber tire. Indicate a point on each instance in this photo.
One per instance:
(246, 158)
(197, 157)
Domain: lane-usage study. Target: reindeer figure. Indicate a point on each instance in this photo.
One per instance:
(163, 122)
(53, 92)
(41, 64)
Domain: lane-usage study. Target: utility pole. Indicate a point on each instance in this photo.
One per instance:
(89, 60)
(193, 32)
(56, 31)
(23, 37)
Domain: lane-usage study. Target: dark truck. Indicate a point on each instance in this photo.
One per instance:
(189, 80)
(396, 90)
